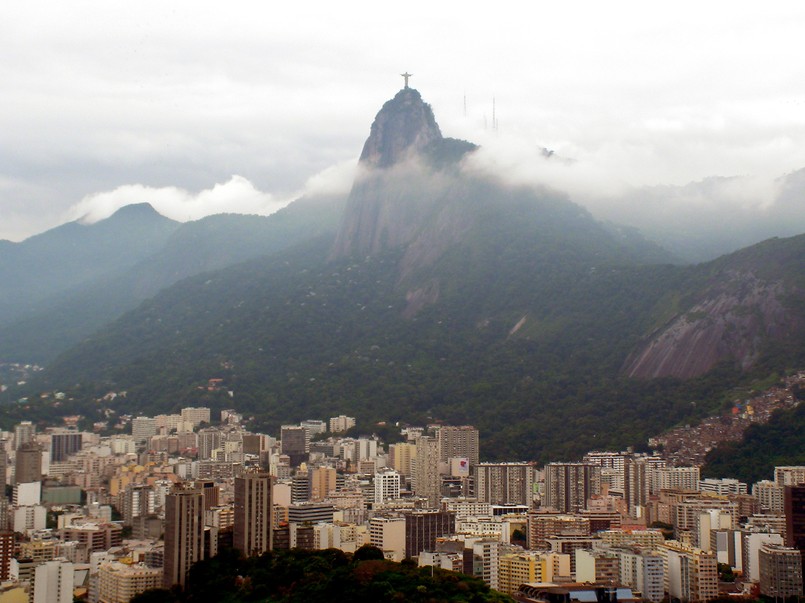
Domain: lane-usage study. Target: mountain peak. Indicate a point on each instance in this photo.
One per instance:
(143, 209)
(403, 126)
(387, 208)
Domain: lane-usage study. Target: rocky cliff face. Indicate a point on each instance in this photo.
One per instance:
(404, 126)
(401, 191)
(730, 321)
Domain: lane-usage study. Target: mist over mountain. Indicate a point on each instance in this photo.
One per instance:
(73, 254)
(404, 180)
(696, 221)
(82, 300)
(414, 193)
(703, 220)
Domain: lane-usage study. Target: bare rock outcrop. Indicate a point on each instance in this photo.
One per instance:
(401, 188)
(403, 126)
(416, 299)
(392, 192)
(731, 321)
(406, 196)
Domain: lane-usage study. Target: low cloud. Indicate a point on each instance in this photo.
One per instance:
(237, 195)
(334, 180)
(525, 163)
(616, 181)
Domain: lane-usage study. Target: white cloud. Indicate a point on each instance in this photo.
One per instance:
(627, 182)
(237, 195)
(334, 180)
(186, 93)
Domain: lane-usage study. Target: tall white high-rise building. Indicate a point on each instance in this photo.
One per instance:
(750, 549)
(53, 582)
(642, 570)
(769, 496)
(690, 573)
(487, 552)
(366, 449)
(612, 465)
(387, 486)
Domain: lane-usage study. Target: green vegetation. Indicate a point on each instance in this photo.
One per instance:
(321, 576)
(300, 338)
(99, 286)
(297, 337)
(725, 573)
(55, 262)
(446, 152)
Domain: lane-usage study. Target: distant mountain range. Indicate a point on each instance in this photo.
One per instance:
(703, 220)
(429, 294)
(59, 260)
(66, 283)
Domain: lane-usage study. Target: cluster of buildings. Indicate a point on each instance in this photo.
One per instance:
(689, 444)
(105, 518)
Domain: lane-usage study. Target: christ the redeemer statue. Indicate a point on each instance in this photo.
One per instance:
(406, 75)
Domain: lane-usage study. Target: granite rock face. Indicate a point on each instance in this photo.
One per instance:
(404, 126)
(401, 189)
(732, 320)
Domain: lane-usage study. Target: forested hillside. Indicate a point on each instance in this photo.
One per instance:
(41, 331)
(533, 361)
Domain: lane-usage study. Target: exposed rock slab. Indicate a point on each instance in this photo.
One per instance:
(731, 321)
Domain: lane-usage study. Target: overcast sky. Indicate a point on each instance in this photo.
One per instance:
(202, 107)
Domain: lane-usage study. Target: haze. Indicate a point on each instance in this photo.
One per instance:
(200, 108)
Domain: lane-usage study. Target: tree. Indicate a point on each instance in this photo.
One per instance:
(367, 553)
